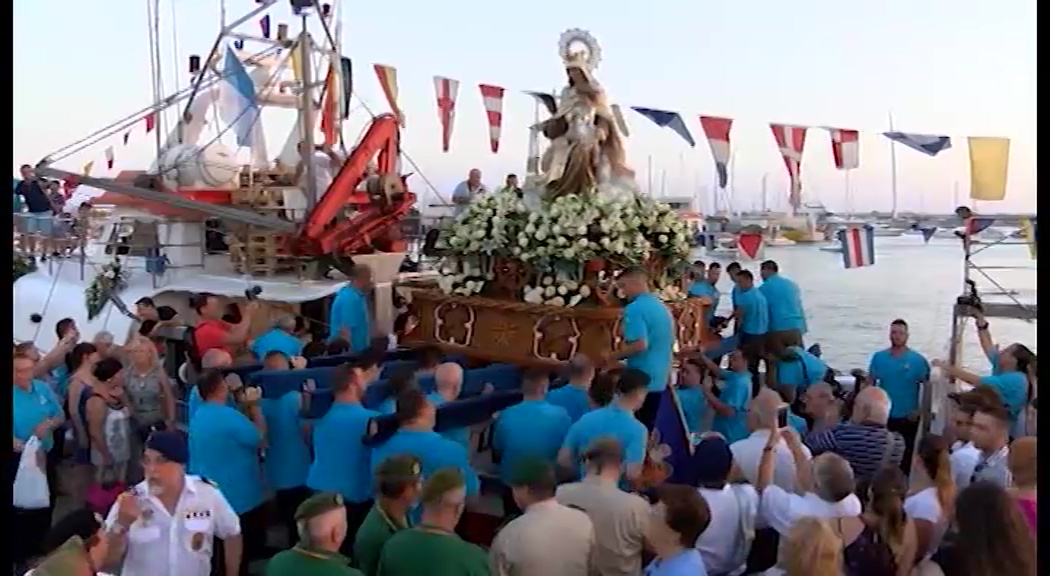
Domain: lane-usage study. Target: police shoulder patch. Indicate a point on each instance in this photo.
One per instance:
(209, 482)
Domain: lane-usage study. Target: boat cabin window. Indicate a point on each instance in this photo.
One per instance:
(133, 239)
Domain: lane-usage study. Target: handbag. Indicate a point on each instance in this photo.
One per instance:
(103, 494)
(31, 491)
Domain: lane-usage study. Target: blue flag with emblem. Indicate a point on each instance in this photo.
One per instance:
(667, 119)
(927, 144)
(671, 442)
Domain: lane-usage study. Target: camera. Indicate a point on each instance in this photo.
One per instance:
(252, 293)
(971, 298)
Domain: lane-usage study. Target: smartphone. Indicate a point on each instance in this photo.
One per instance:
(309, 386)
(782, 416)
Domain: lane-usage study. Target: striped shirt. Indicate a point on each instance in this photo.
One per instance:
(868, 447)
(993, 468)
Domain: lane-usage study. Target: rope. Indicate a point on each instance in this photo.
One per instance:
(47, 301)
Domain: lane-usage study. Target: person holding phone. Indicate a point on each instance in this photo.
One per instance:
(730, 403)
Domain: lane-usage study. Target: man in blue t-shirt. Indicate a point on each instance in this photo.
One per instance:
(901, 372)
(649, 336)
(701, 287)
(280, 338)
(752, 320)
(574, 395)
(350, 317)
(787, 318)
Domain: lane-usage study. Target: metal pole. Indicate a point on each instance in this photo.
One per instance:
(307, 104)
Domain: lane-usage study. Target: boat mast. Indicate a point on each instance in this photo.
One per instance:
(893, 171)
(765, 195)
(153, 17)
(306, 111)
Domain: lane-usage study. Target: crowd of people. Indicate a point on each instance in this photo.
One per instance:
(788, 472)
(47, 226)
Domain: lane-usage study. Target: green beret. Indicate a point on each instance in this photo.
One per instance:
(532, 472)
(440, 483)
(399, 468)
(68, 560)
(318, 504)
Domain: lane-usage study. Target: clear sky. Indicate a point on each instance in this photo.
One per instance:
(955, 67)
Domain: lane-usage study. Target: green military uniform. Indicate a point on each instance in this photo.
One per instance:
(379, 526)
(307, 560)
(69, 559)
(432, 551)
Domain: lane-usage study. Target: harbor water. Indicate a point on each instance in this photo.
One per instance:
(849, 311)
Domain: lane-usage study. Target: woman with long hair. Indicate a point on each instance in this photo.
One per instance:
(149, 394)
(932, 495)
(80, 363)
(108, 424)
(991, 536)
(1024, 464)
(812, 548)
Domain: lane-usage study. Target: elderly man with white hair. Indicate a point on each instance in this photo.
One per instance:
(448, 383)
(762, 419)
(321, 523)
(280, 338)
(864, 441)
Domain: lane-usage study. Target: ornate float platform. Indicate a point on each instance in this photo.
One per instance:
(534, 335)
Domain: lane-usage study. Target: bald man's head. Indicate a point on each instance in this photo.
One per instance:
(448, 378)
(871, 405)
(832, 477)
(762, 410)
(325, 530)
(216, 358)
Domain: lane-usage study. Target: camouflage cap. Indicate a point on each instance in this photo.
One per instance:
(67, 560)
(399, 468)
(318, 504)
(533, 472)
(440, 483)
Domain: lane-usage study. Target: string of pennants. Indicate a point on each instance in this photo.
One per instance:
(148, 123)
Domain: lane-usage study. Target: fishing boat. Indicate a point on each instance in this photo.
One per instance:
(285, 239)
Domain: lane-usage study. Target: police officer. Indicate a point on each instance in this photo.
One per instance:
(321, 523)
(167, 525)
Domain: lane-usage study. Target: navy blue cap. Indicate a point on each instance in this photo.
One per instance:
(713, 460)
(171, 444)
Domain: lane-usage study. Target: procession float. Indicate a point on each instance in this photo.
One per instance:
(530, 279)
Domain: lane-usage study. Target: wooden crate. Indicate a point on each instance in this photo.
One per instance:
(266, 265)
(268, 177)
(532, 334)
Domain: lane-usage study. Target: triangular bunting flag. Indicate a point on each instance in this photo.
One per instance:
(845, 148)
(791, 140)
(927, 233)
(925, 143)
(387, 76)
(346, 76)
(547, 100)
(492, 97)
(446, 90)
(151, 121)
(977, 224)
(667, 119)
(717, 132)
(126, 136)
(109, 158)
(858, 246)
(87, 168)
(264, 26)
(749, 245)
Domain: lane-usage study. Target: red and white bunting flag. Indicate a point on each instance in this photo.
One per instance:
(126, 136)
(845, 148)
(109, 158)
(493, 99)
(151, 121)
(791, 140)
(446, 90)
(717, 132)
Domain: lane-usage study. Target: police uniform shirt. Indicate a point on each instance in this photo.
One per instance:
(179, 544)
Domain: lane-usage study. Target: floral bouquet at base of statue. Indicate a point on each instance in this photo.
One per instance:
(110, 280)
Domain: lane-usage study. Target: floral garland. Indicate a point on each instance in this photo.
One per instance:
(23, 266)
(110, 280)
(558, 239)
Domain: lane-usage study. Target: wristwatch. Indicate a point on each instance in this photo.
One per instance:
(982, 327)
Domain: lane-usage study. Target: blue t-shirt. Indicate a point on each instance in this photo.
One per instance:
(785, 304)
(704, 289)
(1012, 387)
(287, 456)
(30, 408)
(756, 311)
(388, 406)
(531, 429)
(460, 435)
(802, 371)
(688, 562)
(900, 376)
(575, 400)
(433, 451)
(224, 448)
(350, 311)
(647, 318)
(279, 340)
(736, 392)
(609, 421)
(60, 376)
(341, 460)
(694, 407)
(734, 294)
(194, 401)
(798, 423)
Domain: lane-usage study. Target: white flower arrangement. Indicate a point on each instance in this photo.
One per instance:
(463, 277)
(667, 232)
(110, 280)
(553, 290)
(486, 226)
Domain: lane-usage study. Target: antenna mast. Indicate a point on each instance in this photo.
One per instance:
(307, 111)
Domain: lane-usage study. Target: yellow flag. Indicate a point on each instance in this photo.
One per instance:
(88, 167)
(388, 82)
(297, 68)
(1029, 231)
(989, 163)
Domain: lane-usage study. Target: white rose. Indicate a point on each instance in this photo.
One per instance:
(562, 290)
(662, 239)
(547, 280)
(550, 291)
(575, 300)
(556, 301)
(585, 290)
